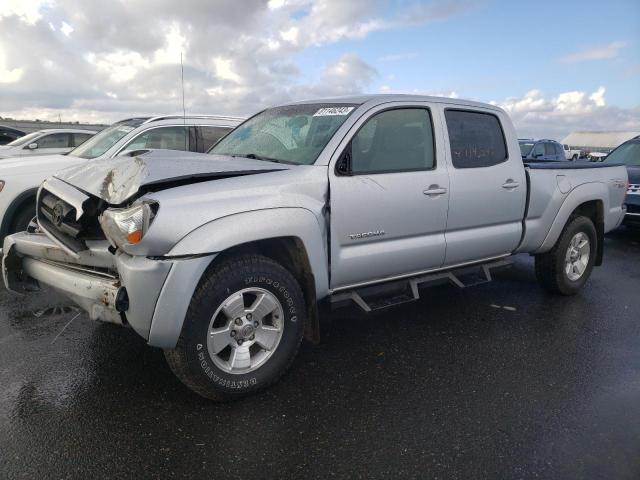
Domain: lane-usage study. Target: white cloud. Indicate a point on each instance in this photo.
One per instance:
(121, 66)
(8, 75)
(599, 52)
(28, 11)
(175, 44)
(236, 59)
(225, 70)
(66, 29)
(554, 117)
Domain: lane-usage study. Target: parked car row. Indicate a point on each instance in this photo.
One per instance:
(541, 150)
(9, 134)
(45, 142)
(628, 154)
(20, 177)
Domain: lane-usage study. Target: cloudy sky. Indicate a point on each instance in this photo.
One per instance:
(556, 66)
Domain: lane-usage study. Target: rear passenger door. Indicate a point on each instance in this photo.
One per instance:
(488, 187)
(389, 207)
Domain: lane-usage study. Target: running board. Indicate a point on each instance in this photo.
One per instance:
(377, 297)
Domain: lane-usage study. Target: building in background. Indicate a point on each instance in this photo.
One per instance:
(28, 126)
(603, 142)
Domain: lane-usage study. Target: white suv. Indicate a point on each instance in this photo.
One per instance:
(21, 177)
(46, 142)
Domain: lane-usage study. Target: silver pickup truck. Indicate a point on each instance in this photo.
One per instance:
(222, 259)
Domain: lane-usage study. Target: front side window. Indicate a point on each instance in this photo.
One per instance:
(211, 135)
(476, 139)
(26, 140)
(627, 153)
(294, 134)
(105, 139)
(394, 141)
(163, 138)
(55, 140)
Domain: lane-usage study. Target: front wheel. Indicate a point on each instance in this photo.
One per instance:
(242, 329)
(567, 266)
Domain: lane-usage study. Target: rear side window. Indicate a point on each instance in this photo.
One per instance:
(394, 141)
(80, 138)
(476, 139)
(549, 148)
(56, 140)
(211, 135)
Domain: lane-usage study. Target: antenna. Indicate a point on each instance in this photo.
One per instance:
(184, 112)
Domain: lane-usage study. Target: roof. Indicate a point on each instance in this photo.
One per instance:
(65, 130)
(397, 97)
(609, 139)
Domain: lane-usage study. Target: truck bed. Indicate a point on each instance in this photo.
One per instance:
(555, 189)
(566, 165)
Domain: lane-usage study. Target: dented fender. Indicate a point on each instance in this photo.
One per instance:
(233, 230)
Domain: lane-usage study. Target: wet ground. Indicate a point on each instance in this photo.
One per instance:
(448, 387)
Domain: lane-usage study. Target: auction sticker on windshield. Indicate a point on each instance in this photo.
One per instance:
(333, 111)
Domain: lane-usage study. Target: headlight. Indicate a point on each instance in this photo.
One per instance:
(127, 226)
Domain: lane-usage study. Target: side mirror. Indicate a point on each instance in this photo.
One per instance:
(32, 146)
(343, 166)
(537, 155)
(132, 153)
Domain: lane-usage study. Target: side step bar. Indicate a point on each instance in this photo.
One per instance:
(381, 296)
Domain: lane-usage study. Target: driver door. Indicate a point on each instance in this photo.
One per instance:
(389, 206)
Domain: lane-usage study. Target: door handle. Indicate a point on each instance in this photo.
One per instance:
(510, 185)
(434, 191)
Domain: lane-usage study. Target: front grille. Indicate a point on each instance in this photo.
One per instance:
(634, 189)
(59, 219)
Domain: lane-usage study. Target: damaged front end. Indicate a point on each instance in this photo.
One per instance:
(69, 253)
(87, 279)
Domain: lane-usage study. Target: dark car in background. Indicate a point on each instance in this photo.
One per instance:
(629, 154)
(8, 134)
(541, 150)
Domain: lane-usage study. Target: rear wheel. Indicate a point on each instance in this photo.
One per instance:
(574, 158)
(567, 266)
(242, 329)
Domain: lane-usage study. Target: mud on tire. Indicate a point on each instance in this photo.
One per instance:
(224, 288)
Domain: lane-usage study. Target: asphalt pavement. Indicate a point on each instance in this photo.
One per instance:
(497, 381)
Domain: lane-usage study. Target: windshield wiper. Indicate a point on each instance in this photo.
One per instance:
(253, 156)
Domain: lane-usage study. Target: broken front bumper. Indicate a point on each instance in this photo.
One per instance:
(151, 295)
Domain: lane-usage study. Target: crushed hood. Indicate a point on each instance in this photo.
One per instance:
(117, 180)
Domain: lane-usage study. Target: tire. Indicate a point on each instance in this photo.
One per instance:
(556, 271)
(22, 217)
(574, 158)
(239, 284)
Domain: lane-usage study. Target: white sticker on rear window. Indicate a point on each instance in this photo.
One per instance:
(333, 111)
